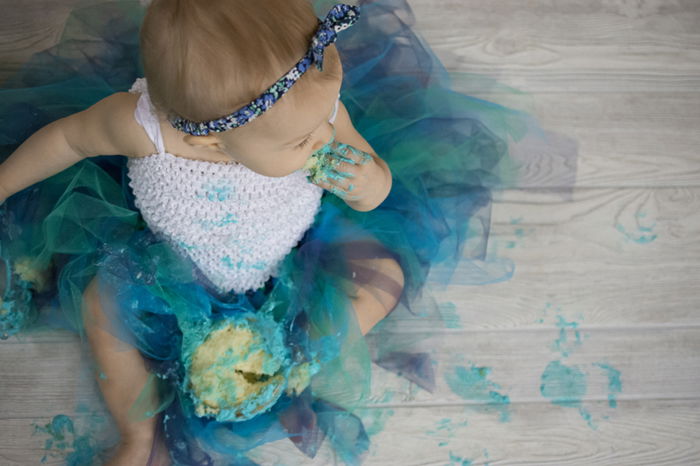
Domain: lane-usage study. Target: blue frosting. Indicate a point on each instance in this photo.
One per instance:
(268, 336)
(17, 309)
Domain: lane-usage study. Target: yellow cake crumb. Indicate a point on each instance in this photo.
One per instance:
(299, 378)
(209, 378)
(24, 269)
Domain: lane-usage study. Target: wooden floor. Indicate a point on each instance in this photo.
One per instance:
(593, 343)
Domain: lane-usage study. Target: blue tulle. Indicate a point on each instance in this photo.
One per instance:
(82, 223)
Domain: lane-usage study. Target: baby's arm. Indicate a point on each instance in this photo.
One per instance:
(64, 142)
(347, 134)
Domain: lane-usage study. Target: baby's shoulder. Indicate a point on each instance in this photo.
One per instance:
(109, 127)
(125, 128)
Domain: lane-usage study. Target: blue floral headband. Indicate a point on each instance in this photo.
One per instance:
(340, 17)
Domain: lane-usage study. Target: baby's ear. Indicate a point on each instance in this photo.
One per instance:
(210, 141)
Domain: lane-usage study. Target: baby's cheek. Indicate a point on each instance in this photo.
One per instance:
(324, 135)
(317, 146)
(280, 164)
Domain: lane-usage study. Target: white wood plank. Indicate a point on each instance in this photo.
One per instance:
(595, 140)
(655, 363)
(662, 432)
(54, 375)
(618, 257)
(648, 433)
(604, 46)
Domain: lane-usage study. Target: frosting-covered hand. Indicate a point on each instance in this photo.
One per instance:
(350, 173)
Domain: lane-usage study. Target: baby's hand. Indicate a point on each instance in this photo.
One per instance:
(351, 174)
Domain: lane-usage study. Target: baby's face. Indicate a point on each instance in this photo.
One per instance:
(279, 141)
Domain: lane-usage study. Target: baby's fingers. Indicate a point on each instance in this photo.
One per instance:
(339, 174)
(352, 155)
(344, 193)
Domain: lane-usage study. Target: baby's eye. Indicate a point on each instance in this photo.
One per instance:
(303, 143)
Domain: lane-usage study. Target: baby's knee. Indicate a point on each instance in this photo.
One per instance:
(392, 269)
(392, 272)
(383, 279)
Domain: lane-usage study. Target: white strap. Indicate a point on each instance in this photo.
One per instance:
(145, 115)
(335, 111)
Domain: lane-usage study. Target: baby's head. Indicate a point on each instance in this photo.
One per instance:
(204, 59)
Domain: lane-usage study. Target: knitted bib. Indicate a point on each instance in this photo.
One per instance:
(235, 224)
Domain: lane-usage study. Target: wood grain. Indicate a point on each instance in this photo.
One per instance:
(598, 236)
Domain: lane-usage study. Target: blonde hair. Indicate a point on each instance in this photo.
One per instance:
(207, 58)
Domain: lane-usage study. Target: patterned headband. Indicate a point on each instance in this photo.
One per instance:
(340, 17)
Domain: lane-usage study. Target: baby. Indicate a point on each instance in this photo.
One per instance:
(247, 90)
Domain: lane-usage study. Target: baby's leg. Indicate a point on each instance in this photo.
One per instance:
(379, 280)
(124, 377)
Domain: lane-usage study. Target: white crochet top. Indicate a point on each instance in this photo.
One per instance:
(235, 224)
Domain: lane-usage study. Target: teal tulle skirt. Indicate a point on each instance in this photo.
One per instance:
(446, 151)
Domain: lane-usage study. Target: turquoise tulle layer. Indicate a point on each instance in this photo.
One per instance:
(446, 151)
